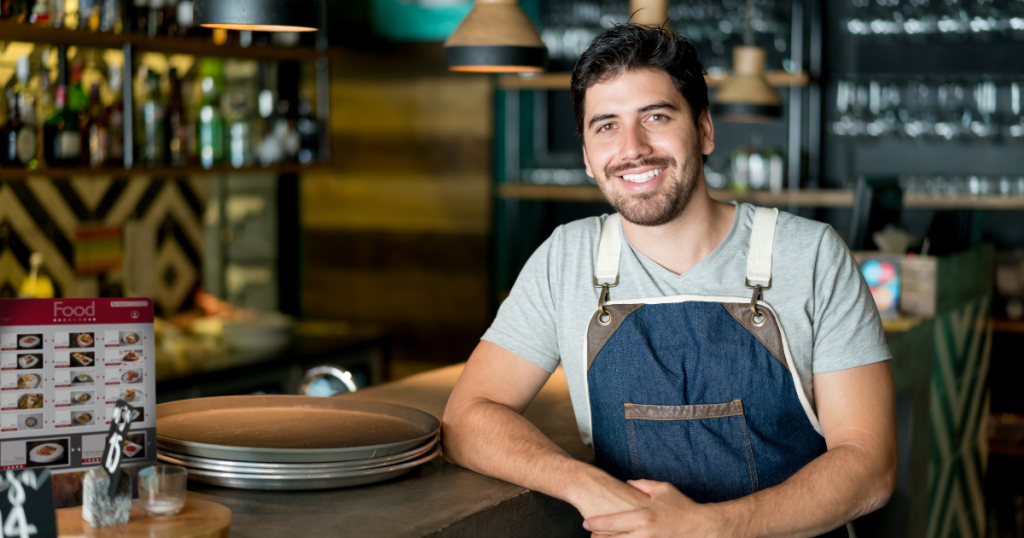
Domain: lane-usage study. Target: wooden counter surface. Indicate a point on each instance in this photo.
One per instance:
(439, 500)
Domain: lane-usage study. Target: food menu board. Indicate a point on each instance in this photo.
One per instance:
(63, 365)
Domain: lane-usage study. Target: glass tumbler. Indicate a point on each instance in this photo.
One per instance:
(162, 489)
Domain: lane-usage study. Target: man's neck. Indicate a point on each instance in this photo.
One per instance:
(689, 238)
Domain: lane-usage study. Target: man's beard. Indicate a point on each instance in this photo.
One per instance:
(658, 207)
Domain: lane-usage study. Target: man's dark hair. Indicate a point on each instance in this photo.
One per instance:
(630, 47)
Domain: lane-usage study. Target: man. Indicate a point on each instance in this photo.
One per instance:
(726, 363)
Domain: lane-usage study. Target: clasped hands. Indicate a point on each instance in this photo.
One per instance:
(667, 513)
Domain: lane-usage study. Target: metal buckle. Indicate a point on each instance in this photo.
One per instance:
(755, 313)
(604, 298)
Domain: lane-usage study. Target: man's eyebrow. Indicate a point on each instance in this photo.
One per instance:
(597, 119)
(657, 106)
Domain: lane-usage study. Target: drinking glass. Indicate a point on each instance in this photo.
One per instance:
(162, 489)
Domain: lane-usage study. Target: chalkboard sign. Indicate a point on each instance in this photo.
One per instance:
(26, 504)
(120, 420)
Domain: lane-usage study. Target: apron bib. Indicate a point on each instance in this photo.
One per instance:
(697, 391)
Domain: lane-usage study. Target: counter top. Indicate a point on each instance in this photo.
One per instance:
(438, 500)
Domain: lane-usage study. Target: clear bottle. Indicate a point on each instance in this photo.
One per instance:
(111, 16)
(94, 132)
(28, 136)
(40, 12)
(115, 119)
(240, 134)
(9, 131)
(270, 150)
(309, 132)
(154, 145)
(210, 127)
(70, 14)
(44, 110)
(177, 124)
(155, 19)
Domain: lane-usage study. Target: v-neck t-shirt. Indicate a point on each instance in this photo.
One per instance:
(819, 296)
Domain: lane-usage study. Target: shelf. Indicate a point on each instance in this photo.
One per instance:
(560, 81)
(590, 193)
(19, 174)
(803, 198)
(1008, 326)
(169, 45)
(1003, 448)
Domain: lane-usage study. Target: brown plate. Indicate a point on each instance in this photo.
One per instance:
(290, 428)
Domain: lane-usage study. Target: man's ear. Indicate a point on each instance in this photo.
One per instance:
(586, 161)
(707, 132)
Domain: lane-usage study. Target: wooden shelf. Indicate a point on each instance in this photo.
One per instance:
(1008, 326)
(590, 193)
(803, 198)
(19, 174)
(1003, 448)
(169, 45)
(560, 81)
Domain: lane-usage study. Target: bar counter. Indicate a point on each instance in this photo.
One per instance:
(438, 500)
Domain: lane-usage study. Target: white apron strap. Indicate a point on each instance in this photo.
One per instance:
(609, 250)
(762, 237)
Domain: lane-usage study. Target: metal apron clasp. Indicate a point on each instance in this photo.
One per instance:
(758, 317)
(603, 298)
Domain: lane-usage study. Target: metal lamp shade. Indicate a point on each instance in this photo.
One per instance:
(259, 15)
(495, 37)
(746, 97)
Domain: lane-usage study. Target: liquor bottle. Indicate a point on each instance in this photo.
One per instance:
(154, 148)
(210, 128)
(9, 132)
(286, 132)
(177, 124)
(94, 131)
(309, 139)
(70, 14)
(139, 15)
(155, 18)
(111, 16)
(78, 101)
(62, 139)
(15, 10)
(115, 119)
(40, 12)
(27, 138)
(56, 13)
(44, 109)
(239, 134)
(270, 151)
(170, 26)
(89, 15)
(183, 17)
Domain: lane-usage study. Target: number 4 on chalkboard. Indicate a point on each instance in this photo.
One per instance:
(27, 509)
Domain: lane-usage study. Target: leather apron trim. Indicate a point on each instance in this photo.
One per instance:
(768, 333)
(683, 412)
(598, 333)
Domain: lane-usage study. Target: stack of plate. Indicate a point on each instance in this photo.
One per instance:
(294, 442)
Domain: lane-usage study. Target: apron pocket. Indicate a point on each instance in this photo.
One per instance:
(704, 450)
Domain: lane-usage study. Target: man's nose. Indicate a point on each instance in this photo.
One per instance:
(635, 143)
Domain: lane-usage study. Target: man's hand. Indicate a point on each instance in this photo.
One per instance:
(668, 513)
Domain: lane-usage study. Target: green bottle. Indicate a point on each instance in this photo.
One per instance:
(210, 127)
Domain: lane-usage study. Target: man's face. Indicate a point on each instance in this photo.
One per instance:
(641, 145)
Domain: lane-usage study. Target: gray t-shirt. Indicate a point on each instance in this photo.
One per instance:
(818, 294)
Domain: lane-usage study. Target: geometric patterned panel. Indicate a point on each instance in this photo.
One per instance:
(41, 215)
(959, 411)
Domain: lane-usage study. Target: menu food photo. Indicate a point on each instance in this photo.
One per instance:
(63, 365)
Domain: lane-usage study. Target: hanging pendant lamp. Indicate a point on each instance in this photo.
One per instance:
(260, 15)
(746, 97)
(495, 37)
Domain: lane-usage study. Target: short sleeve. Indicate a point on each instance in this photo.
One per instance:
(525, 324)
(847, 328)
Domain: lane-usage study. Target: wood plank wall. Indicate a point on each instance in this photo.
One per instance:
(396, 234)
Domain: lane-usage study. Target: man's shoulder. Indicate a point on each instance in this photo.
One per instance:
(800, 229)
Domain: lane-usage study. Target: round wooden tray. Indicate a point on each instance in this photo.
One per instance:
(199, 519)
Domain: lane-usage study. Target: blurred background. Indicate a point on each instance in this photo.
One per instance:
(340, 198)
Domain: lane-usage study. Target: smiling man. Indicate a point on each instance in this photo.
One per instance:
(726, 363)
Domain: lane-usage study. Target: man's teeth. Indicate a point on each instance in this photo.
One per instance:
(640, 178)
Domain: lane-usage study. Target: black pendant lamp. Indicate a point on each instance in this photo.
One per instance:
(260, 15)
(746, 97)
(495, 37)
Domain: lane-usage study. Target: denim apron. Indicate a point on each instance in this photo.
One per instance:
(697, 391)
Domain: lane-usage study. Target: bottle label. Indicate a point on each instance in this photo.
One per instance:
(26, 144)
(70, 144)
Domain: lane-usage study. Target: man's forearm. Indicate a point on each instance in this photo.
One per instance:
(494, 440)
(837, 487)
